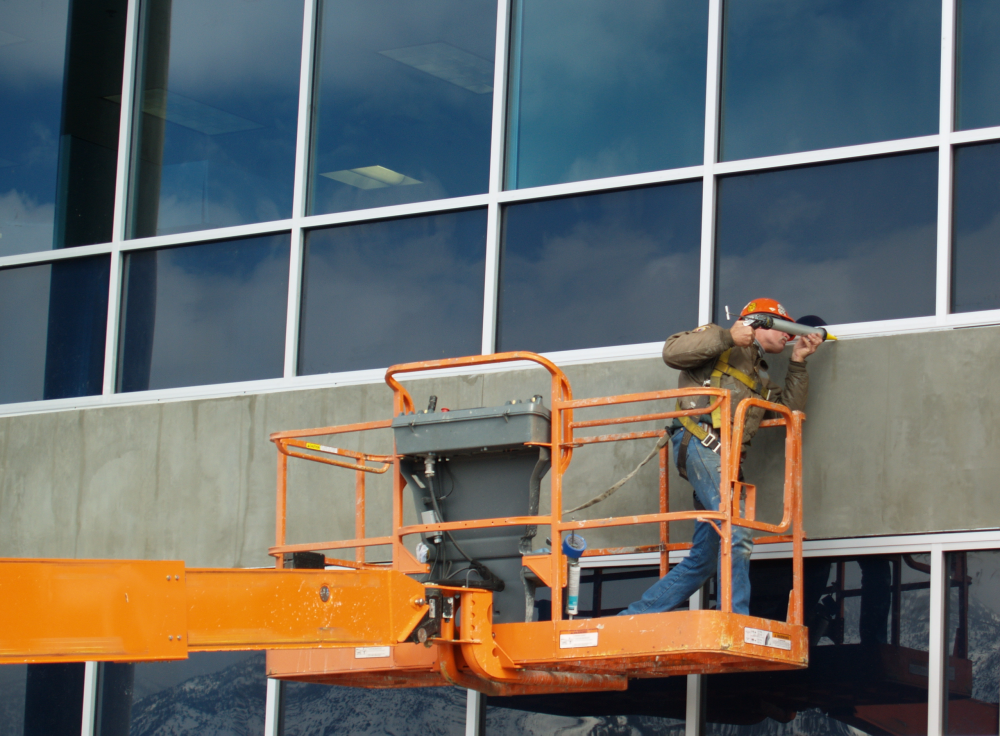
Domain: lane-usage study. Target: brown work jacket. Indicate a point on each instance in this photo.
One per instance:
(695, 355)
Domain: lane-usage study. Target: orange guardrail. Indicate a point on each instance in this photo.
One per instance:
(551, 567)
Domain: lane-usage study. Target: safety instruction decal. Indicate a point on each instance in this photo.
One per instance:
(578, 640)
(321, 448)
(371, 652)
(766, 639)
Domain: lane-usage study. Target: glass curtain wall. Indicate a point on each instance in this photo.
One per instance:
(60, 84)
(401, 101)
(216, 109)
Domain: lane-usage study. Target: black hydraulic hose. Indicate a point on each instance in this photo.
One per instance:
(534, 494)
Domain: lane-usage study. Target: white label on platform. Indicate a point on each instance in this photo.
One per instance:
(371, 652)
(578, 640)
(766, 639)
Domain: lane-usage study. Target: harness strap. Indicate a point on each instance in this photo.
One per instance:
(722, 368)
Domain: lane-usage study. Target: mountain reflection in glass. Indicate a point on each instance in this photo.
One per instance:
(309, 709)
(971, 639)
(975, 253)
(850, 242)
(869, 634)
(60, 72)
(208, 693)
(616, 268)
(389, 292)
(978, 64)
(603, 89)
(811, 74)
(404, 102)
(217, 104)
(206, 313)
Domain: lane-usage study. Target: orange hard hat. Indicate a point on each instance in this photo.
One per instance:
(766, 306)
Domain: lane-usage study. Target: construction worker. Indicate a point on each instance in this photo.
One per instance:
(734, 359)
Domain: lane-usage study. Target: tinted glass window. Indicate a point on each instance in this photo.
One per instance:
(850, 242)
(211, 313)
(868, 621)
(53, 699)
(209, 693)
(825, 73)
(12, 683)
(975, 255)
(604, 269)
(60, 82)
(53, 319)
(972, 636)
(404, 102)
(978, 64)
(393, 292)
(320, 709)
(598, 92)
(216, 114)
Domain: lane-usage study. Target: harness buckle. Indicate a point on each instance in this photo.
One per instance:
(709, 439)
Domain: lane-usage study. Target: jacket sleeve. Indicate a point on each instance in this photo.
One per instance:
(796, 389)
(691, 349)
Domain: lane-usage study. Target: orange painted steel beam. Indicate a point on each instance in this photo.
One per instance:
(128, 610)
(97, 610)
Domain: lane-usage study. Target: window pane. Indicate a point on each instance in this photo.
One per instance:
(218, 94)
(868, 620)
(208, 693)
(824, 73)
(60, 82)
(211, 313)
(329, 709)
(53, 319)
(975, 255)
(598, 92)
(850, 242)
(393, 292)
(53, 699)
(12, 687)
(618, 268)
(978, 64)
(973, 633)
(404, 102)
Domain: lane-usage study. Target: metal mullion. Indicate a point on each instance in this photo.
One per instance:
(601, 185)
(272, 708)
(829, 155)
(89, 716)
(114, 319)
(303, 134)
(208, 236)
(48, 256)
(300, 192)
(292, 315)
(497, 133)
(120, 216)
(695, 696)
(425, 207)
(945, 161)
(977, 135)
(936, 656)
(125, 127)
(713, 91)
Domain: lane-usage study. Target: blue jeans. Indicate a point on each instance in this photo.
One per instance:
(673, 589)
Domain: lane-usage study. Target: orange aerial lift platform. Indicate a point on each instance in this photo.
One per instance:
(411, 621)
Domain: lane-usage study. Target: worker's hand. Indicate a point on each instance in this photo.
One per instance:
(742, 334)
(806, 346)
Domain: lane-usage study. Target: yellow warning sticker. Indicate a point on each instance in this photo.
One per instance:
(321, 448)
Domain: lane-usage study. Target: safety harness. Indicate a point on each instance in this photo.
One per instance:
(702, 432)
